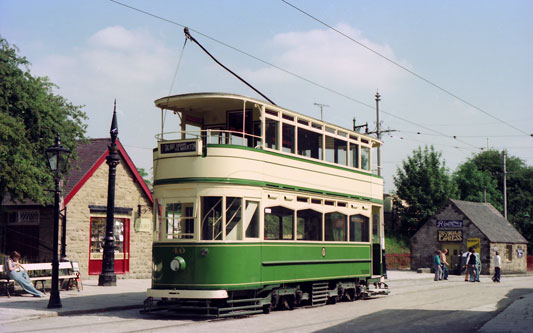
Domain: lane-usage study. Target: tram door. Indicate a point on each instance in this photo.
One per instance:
(121, 232)
(376, 242)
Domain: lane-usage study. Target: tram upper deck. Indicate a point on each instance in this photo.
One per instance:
(235, 139)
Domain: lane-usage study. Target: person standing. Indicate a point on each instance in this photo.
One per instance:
(19, 274)
(497, 264)
(444, 264)
(478, 267)
(472, 264)
(436, 264)
(465, 256)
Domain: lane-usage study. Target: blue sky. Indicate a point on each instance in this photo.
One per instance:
(481, 51)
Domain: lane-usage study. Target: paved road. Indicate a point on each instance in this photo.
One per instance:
(413, 306)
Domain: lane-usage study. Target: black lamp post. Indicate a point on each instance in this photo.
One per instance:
(108, 277)
(57, 161)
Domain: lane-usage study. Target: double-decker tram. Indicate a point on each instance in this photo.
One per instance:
(258, 207)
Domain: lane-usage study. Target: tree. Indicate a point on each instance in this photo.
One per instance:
(519, 187)
(423, 184)
(145, 177)
(31, 115)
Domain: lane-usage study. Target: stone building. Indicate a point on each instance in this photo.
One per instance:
(27, 227)
(459, 225)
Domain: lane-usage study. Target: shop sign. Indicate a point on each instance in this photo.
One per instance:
(449, 223)
(450, 235)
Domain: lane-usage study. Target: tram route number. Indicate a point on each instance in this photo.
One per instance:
(450, 235)
(178, 147)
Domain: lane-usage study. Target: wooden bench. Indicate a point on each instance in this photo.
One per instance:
(41, 272)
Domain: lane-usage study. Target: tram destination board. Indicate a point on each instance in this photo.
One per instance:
(179, 147)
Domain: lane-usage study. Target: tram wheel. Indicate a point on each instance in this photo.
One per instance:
(267, 308)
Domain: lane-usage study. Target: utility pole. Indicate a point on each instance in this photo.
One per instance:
(321, 106)
(504, 184)
(378, 132)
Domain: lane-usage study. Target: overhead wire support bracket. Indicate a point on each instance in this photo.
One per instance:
(191, 38)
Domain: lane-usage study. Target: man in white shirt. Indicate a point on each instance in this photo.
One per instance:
(497, 264)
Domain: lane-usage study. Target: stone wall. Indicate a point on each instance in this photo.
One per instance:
(128, 194)
(511, 263)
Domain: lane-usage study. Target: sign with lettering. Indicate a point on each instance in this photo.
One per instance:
(449, 223)
(450, 235)
(179, 147)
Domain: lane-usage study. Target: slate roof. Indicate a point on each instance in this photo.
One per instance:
(489, 221)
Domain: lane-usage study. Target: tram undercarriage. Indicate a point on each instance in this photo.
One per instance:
(272, 297)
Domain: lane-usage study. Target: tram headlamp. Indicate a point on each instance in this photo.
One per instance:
(177, 264)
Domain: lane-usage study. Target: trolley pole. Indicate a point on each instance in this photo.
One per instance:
(504, 153)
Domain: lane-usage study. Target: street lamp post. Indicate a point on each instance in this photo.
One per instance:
(108, 277)
(57, 161)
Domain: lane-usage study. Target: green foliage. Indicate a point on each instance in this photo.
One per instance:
(486, 170)
(423, 184)
(31, 115)
(145, 177)
(396, 244)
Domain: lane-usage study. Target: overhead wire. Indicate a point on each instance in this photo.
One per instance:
(407, 69)
(289, 72)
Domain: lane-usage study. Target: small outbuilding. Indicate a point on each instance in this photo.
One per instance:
(459, 225)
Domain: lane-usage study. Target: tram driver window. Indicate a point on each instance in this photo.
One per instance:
(309, 225)
(335, 225)
(180, 220)
(359, 228)
(233, 218)
(211, 223)
(279, 223)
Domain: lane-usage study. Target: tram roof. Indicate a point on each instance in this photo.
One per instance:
(198, 104)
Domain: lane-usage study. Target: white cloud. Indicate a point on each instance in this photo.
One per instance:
(328, 58)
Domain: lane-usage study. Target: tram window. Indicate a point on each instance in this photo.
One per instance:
(272, 113)
(303, 122)
(359, 225)
(335, 225)
(354, 155)
(309, 225)
(309, 143)
(180, 220)
(317, 126)
(211, 223)
(271, 133)
(286, 116)
(279, 223)
(288, 138)
(365, 158)
(302, 199)
(336, 150)
(233, 218)
(251, 219)
(235, 125)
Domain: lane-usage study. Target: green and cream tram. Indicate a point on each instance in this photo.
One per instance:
(258, 207)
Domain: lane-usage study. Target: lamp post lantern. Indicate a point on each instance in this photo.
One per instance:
(57, 161)
(108, 277)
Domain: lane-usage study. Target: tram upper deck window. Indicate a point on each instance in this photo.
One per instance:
(359, 228)
(211, 223)
(354, 155)
(309, 225)
(288, 138)
(180, 220)
(271, 133)
(309, 143)
(336, 150)
(335, 227)
(365, 158)
(279, 223)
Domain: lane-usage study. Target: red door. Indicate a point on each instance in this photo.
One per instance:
(121, 232)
